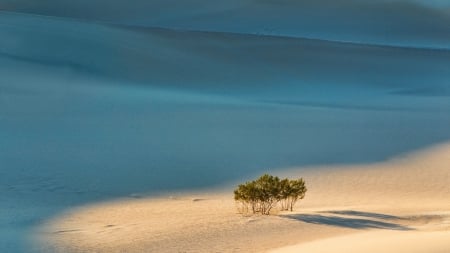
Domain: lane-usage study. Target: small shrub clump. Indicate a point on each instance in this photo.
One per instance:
(263, 194)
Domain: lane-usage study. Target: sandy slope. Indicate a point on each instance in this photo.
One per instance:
(395, 206)
(372, 242)
(415, 188)
(368, 21)
(254, 64)
(75, 127)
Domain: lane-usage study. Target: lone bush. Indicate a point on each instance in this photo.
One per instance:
(263, 194)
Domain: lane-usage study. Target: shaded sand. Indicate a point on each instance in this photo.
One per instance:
(402, 205)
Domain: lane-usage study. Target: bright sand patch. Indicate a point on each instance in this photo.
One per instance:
(375, 242)
(401, 205)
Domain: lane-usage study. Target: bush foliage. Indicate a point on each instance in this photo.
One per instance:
(263, 194)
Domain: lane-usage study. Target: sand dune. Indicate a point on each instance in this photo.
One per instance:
(399, 205)
(144, 96)
(259, 67)
(374, 242)
(379, 21)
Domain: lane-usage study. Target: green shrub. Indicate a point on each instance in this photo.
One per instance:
(263, 194)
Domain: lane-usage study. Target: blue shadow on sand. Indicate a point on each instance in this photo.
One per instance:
(355, 222)
(365, 214)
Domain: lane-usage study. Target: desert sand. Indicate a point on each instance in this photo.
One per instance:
(401, 205)
(128, 99)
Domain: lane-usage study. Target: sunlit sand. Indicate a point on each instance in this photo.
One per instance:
(400, 205)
